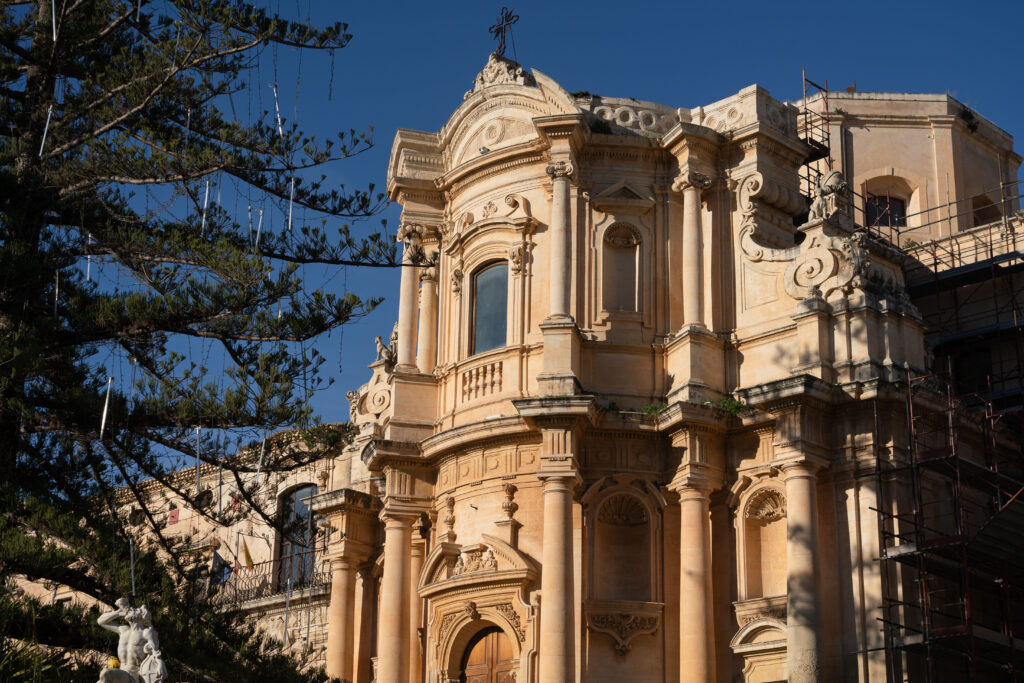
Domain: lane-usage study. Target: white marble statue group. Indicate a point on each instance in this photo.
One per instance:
(138, 647)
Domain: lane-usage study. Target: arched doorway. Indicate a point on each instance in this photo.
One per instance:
(489, 658)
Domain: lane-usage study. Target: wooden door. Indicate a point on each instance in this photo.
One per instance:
(489, 658)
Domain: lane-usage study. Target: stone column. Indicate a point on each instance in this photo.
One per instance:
(559, 240)
(691, 184)
(426, 343)
(410, 236)
(339, 620)
(393, 641)
(366, 608)
(803, 640)
(696, 651)
(557, 637)
(415, 614)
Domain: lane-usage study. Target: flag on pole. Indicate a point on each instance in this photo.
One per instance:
(249, 564)
(220, 570)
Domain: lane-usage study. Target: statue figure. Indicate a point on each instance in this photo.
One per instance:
(138, 647)
(830, 196)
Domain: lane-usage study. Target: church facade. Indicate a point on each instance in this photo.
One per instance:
(647, 414)
(632, 422)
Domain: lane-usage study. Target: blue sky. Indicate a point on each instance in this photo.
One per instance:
(409, 65)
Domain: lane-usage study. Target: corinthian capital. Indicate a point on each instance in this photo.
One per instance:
(410, 231)
(688, 179)
(559, 169)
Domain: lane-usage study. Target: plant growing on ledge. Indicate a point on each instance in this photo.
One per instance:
(653, 409)
(731, 405)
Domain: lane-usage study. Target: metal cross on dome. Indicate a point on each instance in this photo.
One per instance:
(505, 20)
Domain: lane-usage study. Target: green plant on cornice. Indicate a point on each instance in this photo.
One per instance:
(840, 111)
(910, 244)
(580, 94)
(731, 405)
(654, 409)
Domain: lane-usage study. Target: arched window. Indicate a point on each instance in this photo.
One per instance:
(885, 210)
(298, 540)
(490, 307)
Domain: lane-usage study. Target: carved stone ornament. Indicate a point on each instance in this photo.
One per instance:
(825, 264)
(353, 404)
(622, 510)
(559, 169)
(429, 273)
(767, 505)
(477, 559)
(457, 281)
(490, 208)
(621, 236)
(469, 609)
(509, 612)
(515, 259)
(690, 179)
(509, 506)
(830, 197)
(623, 627)
(500, 70)
(410, 231)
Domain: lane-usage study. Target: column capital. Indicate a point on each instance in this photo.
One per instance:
(429, 273)
(806, 466)
(410, 232)
(393, 517)
(560, 169)
(693, 482)
(691, 179)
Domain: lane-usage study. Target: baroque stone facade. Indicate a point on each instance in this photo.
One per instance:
(626, 424)
(658, 472)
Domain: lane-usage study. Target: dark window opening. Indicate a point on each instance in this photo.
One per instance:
(490, 307)
(298, 540)
(883, 210)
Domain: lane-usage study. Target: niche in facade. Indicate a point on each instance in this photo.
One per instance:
(621, 269)
(622, 550)
(764, 540)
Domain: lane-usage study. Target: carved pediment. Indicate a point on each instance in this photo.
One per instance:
(622, 198)
(451, 565)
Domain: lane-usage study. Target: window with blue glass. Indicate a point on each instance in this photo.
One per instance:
(490, 307)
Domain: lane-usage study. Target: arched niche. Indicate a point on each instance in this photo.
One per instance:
(762, 541)
(623, 521)
(622, 270)
(465, 632)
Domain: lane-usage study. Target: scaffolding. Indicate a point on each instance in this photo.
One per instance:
(952, 521)
(814, 130)
(952, 507)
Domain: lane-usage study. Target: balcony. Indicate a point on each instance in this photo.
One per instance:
(308, 572)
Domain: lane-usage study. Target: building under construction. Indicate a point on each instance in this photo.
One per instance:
(951, 502)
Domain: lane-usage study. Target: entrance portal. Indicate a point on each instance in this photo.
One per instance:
(489, 658)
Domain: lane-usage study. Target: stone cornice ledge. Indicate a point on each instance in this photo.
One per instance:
(575, 406)
(465, 435)
(797, 387)
(344, 499)
(377, 452)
